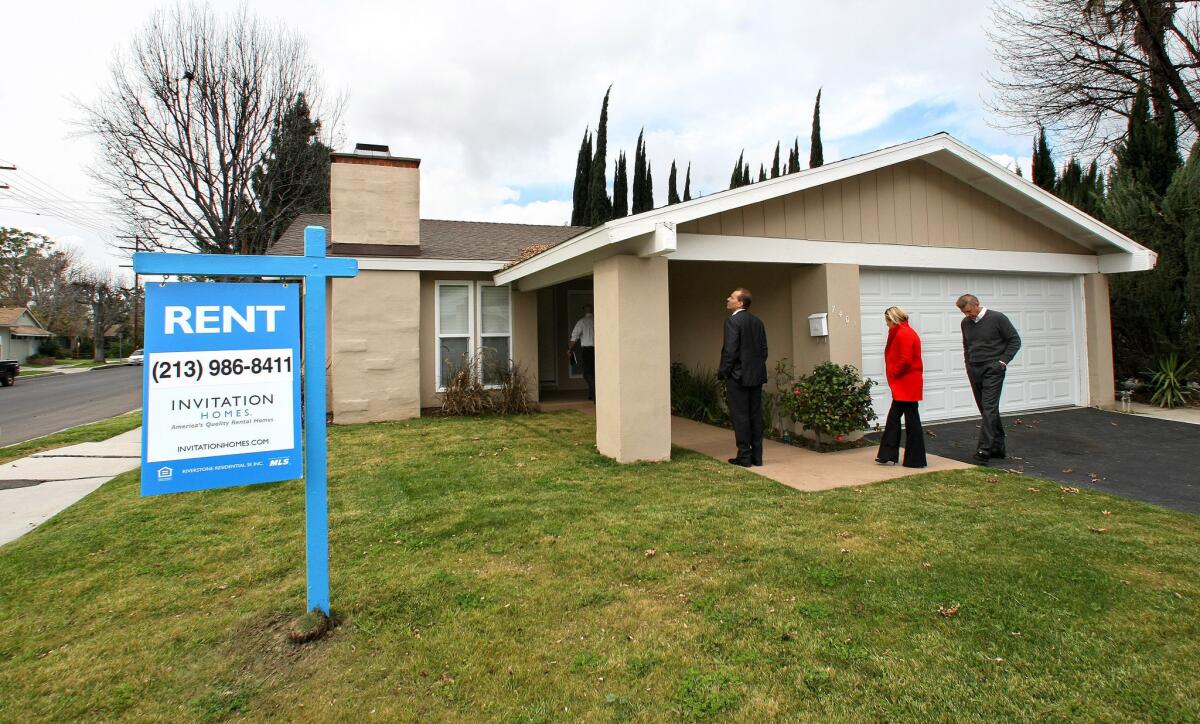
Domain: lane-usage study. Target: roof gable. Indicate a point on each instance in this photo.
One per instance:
(941, 151)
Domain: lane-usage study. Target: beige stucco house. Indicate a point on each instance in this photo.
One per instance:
(20, 333)
(825, 251)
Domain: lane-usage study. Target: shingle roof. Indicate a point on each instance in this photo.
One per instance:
(10, 315)
(442, 239)
(24, 330)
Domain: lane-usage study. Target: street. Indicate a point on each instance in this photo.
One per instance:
(32, 407)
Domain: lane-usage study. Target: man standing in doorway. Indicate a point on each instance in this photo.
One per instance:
(583, 340)
(744, 369)
(989, 344)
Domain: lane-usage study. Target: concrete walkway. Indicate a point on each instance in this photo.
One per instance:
(1190, 415)
(34, 489)
(795, 467)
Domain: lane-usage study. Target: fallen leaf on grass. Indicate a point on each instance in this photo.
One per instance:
(650, 552)
(845, 534)
(1106, 512)
(1033, 490)
(844, 550)
(992, 479)
(520, 465)
(1095, 477)
(1097, 530)
(1017, 470)
(948, 612)
(931, 433)
(1069, 489)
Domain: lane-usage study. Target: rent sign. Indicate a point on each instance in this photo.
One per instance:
(221, 387)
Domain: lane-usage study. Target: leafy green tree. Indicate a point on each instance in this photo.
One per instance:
(599, 204)
(1182, 212)
(583, 177)
(672, 186)
(1149, 311)
(816, 152)
(1043, 165)
(620, 189)
(687, 184)
(775, 162)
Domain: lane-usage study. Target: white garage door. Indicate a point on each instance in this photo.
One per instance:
(1044, 309)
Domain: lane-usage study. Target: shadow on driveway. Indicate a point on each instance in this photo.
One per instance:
(1137, 457)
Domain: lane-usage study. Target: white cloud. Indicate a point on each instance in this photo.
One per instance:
(494, 97)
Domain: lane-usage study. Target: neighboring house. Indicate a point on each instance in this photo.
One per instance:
(20, 333)
(913, 225)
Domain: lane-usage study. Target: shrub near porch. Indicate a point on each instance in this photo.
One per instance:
(500, 569)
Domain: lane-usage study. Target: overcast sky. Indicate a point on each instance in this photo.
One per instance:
(494, 96)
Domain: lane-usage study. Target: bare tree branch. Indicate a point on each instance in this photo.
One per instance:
(186, 118)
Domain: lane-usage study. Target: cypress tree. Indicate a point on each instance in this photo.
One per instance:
(794, 157)
(672, 187)
(648, 201)
(1069, 186)
(583, 177)
(746, 174)
(687, 184)
(1043, 164)
(735, 178)
(816, 153)
(1182, 212)
(599, 205)
(620, 189)
(775, 163)
(641, 175)
(762, 173)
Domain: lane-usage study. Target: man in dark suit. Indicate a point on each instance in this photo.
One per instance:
(990, 341)
(744, 369)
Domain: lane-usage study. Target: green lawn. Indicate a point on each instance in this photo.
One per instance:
(500, 570)
(92, 432)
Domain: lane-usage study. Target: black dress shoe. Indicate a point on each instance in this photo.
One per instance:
(756, 463)
(881, 461)
(739, 461)
(998, 454)
(982, 456)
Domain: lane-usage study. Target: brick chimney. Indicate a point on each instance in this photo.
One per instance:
(375, 200)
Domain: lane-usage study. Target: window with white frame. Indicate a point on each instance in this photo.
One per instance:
(495, 332)
(474, 320)
(454, 328)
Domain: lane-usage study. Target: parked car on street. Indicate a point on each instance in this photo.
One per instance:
(137, 358)
(9, 369)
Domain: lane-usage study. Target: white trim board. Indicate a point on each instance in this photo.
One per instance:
(940, 150)
(711, 247)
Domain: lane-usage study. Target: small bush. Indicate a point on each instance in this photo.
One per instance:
(697, 394)
(833, 401)
(50, 348)
(1169, 382)
(467, 396)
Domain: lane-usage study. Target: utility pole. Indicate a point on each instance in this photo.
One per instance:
(137, 246)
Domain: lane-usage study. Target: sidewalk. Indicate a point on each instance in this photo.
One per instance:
(789, 465)
(34, 489)
(1189, 415)
(66, 369)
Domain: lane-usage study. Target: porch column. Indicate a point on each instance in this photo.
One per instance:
(633, 359)
(1098, 333)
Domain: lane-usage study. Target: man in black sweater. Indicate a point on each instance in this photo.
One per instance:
(989, 344)
(744, 369)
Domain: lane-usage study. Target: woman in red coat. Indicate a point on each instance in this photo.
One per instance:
(906, 378)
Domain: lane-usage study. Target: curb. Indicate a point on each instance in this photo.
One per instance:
(30, 378)
(110, 366)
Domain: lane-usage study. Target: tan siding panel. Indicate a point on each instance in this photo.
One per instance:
(793, 205)
(886, 181)
(752, 219)
(710, 225)
(920, 203)
(689, 227)
(731, 223)
(851, 209)
(869, 206)
(903, 191)
(773, 210)
(832, 199)
(814, 213)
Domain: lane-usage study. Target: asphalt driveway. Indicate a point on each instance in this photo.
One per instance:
(1144, 458)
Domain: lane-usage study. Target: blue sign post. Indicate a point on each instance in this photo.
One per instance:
(200, 338)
